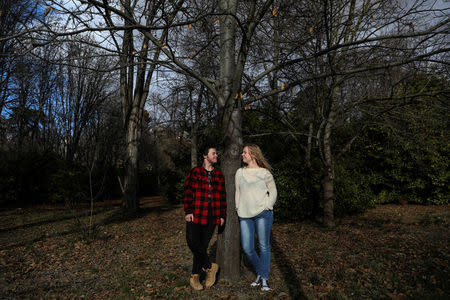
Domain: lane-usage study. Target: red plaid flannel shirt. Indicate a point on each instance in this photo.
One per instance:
(196, 195)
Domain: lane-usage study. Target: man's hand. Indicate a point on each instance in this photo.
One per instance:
(222, 221)
(189, 217)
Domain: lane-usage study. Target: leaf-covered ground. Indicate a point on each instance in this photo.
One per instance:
(391, 252)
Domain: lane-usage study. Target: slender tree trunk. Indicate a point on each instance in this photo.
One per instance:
(309, 146)
(194, 157)
(328, 180)
(195, 117)
(328, 195)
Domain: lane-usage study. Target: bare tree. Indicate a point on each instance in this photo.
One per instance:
(313, 44)
(116, 24)
(352, 52)
(82, 90)
(14, 15)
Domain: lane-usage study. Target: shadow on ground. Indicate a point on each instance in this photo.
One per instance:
(116, 217)
(287, 272)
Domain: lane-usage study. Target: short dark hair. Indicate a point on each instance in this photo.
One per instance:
(205, 150)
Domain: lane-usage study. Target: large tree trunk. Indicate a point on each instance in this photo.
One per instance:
(228, 249)
(130, 117)
(130, 200)
(133, 102)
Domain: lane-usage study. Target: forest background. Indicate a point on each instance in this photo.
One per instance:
(114, 99)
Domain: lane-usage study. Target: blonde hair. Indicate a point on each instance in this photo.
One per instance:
(256, 153)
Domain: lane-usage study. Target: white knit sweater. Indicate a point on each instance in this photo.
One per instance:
(255, 191)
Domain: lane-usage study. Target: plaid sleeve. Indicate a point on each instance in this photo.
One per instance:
(188, 200)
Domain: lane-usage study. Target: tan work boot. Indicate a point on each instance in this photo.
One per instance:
(211, 275)
(194, 281)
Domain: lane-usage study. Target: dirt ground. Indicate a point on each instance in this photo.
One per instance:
(390, 252)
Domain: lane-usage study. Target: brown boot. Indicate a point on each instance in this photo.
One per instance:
(211, 275)
(194, 281)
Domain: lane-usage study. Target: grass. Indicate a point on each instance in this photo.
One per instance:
(390, 252)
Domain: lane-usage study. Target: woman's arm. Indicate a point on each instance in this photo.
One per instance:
(237, 176)
(272, 188)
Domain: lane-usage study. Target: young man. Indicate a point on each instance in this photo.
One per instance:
(205, 207)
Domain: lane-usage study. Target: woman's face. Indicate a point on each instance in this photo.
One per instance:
(246, 157)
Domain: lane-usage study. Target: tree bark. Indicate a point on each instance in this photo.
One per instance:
(194, 141)
(134, 92)
(309, 146)
(130, 200)
(228, 249)
(195, 117)
(328, 180)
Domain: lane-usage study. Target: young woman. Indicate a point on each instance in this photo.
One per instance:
(256, 194)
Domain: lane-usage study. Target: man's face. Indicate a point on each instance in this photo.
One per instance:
(212, 156)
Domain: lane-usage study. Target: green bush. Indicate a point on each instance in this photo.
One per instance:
(298, 192)
(25, 177)
(352, 192)
(36, 178)
(401, 170)
(171, 186)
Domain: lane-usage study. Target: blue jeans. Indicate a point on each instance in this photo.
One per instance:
(261, 224)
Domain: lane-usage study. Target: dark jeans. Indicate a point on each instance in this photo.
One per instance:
(198, 237)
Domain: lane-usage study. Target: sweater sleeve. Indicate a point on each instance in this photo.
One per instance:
(236, 184)
(272, 188)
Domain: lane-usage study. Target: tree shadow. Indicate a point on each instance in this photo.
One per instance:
(116, 218)
(287, 271)
(284, 264)
(120, 216)
(68, 215)
(41, 237)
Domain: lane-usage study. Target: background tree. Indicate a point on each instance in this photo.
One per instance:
(312, 76)
(349, 42)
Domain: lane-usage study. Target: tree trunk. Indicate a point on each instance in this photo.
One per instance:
(328, 195)
(130, 200)
(195, 117)
(328, 180)
(194, 157)
(228, 249)
(309, 146)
